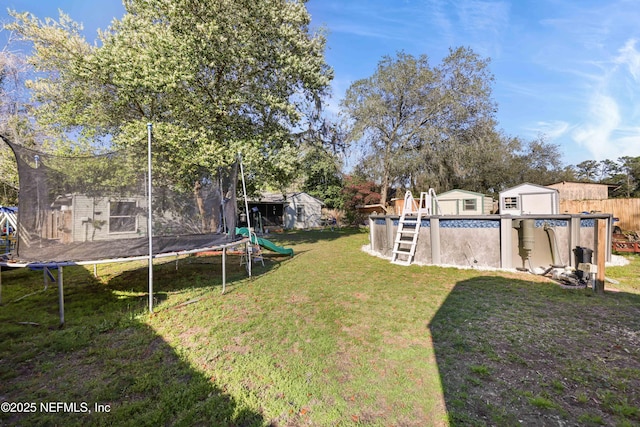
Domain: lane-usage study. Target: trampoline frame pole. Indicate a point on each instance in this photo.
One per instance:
(60, 294)
(149, 219)
(246, 207)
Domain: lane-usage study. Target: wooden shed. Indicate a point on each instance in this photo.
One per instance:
(581, 190)
(463, 202)
(528, 199)
(377, 209)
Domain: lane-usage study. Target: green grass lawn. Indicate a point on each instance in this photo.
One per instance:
(330, 337)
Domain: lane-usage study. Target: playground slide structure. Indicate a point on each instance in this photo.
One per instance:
(264, 242)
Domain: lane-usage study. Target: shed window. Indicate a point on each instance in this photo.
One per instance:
(469, 204)
(511, 203)
(300, 213)
(122, 217)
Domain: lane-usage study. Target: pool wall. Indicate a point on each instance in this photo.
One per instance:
(493, 240)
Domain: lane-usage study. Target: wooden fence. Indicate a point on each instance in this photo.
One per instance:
(627, 210)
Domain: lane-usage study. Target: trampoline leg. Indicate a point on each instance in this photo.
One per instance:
(95, 270)
(224, 269)
(61, 295)
(247, 250)
(0, 285)
(45, 273)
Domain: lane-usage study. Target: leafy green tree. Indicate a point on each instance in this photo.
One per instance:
(628, 177)
(623, 173)
(323, 177)
(539, 162)
(587, 170)
(608, 168)
(417, 121)
(8, 177)
(215, 78)
(322, 144)
(490, 162)
(14, 122)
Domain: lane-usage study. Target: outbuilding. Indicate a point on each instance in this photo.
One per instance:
(528, 199)
(463, 202)
(290, 210)
(582, 190)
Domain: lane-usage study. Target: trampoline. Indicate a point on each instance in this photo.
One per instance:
(119, 206)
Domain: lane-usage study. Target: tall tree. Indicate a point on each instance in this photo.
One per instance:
(323, 177)
(587, 170)
(489, 164)
(322, 143)
(15, 122)
(608, 169)
(215, 78)
(416, 120)
(628, 177)
(539, 162)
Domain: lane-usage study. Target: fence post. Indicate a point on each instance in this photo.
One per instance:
(601, 254)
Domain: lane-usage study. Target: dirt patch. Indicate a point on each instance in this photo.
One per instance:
(189, 337)
(237, 346)
(362, 296)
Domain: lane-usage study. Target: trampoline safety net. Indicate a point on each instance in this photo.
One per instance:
(96, 207)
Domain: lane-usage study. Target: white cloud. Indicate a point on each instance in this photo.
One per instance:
(437, 14)
(362, 31)
(484, 23)
(630, 58)
(552, 130)
(629, 145)
(609, 129)
(479, 16)
(385, 21)
(602, 120)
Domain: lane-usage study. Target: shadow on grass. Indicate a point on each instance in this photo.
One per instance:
(193, 272)
(106, 355)
(517, 352)
(295, 237)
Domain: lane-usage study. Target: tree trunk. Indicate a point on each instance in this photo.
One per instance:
(385, 186)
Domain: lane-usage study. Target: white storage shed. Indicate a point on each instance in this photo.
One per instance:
(528, 199)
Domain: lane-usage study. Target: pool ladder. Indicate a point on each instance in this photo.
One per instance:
(404, 247)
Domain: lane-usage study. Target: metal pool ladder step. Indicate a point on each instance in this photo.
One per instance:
(404, 246)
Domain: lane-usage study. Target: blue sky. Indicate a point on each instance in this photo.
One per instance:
(568, 70)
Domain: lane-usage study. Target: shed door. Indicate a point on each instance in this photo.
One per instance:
(448, 207)
(537, 203)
